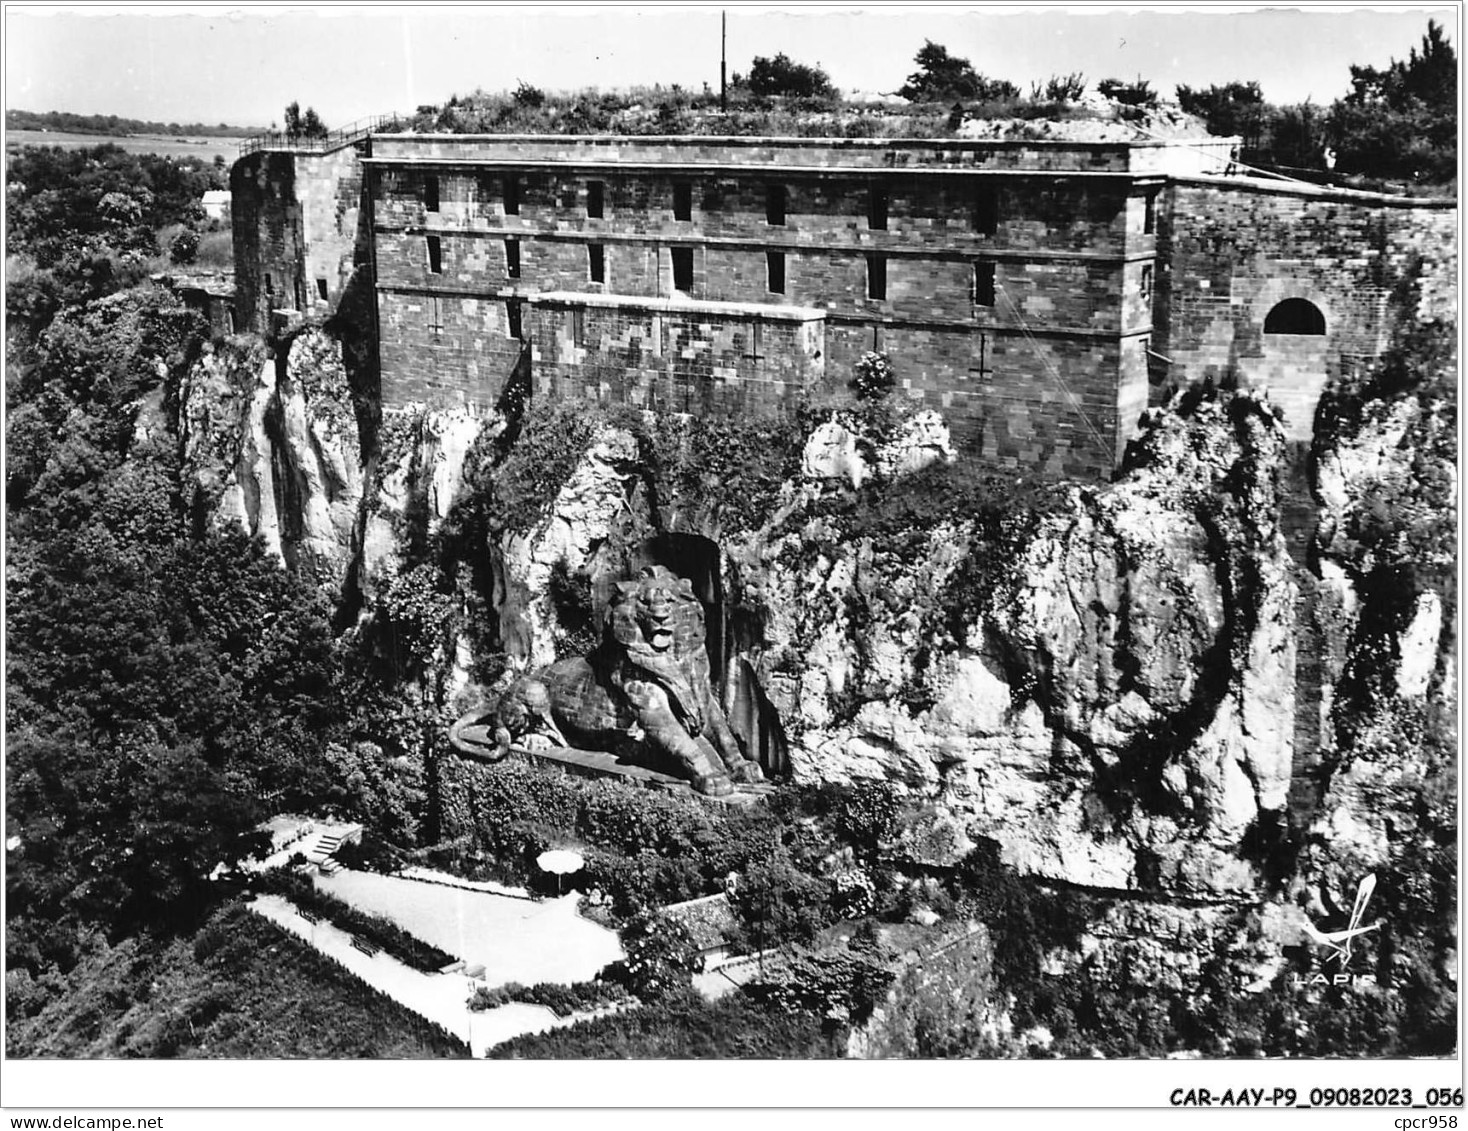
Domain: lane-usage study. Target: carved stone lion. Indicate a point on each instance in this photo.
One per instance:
(648, 683)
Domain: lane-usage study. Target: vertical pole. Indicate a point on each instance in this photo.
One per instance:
(723, 62)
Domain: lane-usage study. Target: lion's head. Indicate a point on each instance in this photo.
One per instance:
(656, 615)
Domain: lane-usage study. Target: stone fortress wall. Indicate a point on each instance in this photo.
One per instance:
(1039, 294)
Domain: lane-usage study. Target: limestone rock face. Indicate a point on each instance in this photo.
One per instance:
(271, 443)
(1117, 708)
(583, 514)
(831, 453)
(922, 441)
(418, 470)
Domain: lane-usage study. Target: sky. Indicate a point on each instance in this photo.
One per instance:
(241, 65)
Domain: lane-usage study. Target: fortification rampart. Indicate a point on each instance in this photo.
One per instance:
(1040, 294)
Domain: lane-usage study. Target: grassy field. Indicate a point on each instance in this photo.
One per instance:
(203, 147)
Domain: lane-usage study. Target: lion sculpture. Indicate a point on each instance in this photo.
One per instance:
(648, 684)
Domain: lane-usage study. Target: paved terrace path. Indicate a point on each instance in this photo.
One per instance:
(515, 940)
(438, 997)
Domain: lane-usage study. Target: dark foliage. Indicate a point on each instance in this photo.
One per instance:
(563, 1001)
(64, 203)
(686, 1027)
(942, 77)
(238, 987)
(1138, 93)
(113, 125)
(1402, 121)
(782, 76)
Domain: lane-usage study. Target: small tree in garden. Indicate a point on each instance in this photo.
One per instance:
(661, 957)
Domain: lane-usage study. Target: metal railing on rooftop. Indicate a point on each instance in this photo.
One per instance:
(349, 134)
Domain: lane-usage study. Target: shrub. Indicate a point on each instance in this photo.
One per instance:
(783, 76)
(874, 377)
(840, 988)
(779, 904)
(559, 999)
(661, 958)
(683, 1027)
(527, 95)
(1139, 93)
(185, 247)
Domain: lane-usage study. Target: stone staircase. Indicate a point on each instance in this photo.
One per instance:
(323, 852)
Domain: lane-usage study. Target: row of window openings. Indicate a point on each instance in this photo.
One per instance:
(982, 292)
(985, 209)
(682, 258)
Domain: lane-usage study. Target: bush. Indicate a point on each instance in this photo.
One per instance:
(842, 988)
(783, 76)
(874, 377)
(779, 904)
(185, 247)
(559, 999)
(527, 95)
(661, 958)
(683, 1027)
(1139, 93)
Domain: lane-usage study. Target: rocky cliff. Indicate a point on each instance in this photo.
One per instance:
(1100, 679)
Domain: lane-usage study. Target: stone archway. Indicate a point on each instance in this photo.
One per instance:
(1296, 364)
(1297, 316)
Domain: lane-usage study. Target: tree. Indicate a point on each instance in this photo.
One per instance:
(1235, 109)
(783, 76)
(311, 125)
(941, 76)
(1401, 121)
(293, 124)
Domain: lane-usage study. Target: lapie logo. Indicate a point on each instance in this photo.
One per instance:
(1339, 944)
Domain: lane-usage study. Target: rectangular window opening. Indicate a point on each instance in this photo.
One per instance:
(983, 284)
(512, 319)
(682, 201)
(512, 195)
(435, 255)
(775, 271)
(876, 276)
(986, 210)
(430, 194)
(683, 269)
(321, 289)
(512, 259)
(1147, 282)
(578, 326)
(1149, 214)
(595, 201)
(435, 315)
(775, 205)
(877, 209)
(269, 284)
(596, 261)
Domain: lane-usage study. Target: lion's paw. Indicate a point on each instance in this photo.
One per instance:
(713, 785)
(746, 771)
